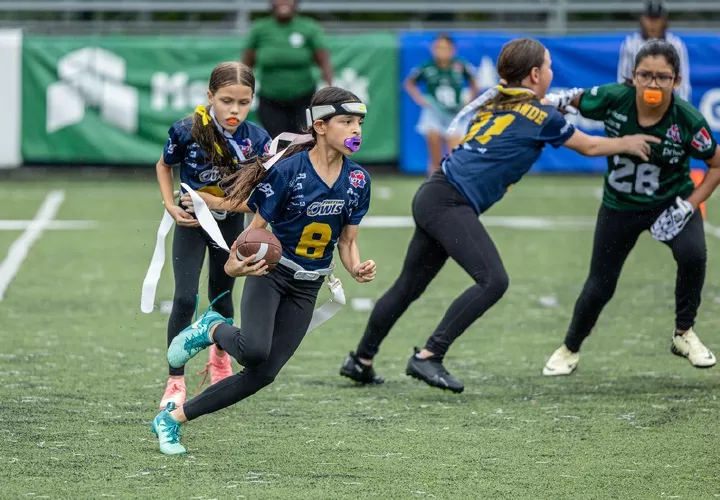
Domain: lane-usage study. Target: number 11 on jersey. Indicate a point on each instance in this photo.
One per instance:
(498, 124)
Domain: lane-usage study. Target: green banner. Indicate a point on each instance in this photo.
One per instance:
(111, 100)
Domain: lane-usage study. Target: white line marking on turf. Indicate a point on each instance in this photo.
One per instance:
(383, 192)
(515, 222)
(69, 225)
(711, 229)
(20, 247)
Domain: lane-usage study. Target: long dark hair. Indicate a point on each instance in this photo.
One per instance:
(516, 60)
(204, 131)
(240, 184)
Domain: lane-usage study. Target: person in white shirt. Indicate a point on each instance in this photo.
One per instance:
(653, 26)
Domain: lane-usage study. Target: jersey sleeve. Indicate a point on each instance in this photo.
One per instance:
(556, 130)
(176, 145)
(417, 74)
(316, 38)
(252, 42)
(595, 101)
(703, 144)
(270, 195)
(363, 204)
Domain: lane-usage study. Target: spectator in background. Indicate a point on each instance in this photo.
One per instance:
(283, 49)
(444, 77)
(653, 26)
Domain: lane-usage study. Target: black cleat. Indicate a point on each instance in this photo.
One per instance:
(353, 369)
(433, 373)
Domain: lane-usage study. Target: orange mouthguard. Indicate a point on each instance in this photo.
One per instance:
(652, 96)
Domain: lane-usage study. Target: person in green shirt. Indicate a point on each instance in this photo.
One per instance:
(444, 77)
(283, 48)
(656, 195)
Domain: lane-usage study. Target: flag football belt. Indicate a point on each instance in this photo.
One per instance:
(209, 224)
(303, 274)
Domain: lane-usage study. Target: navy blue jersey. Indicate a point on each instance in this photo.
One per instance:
(195, 170)
(307, 215)
(500, 147)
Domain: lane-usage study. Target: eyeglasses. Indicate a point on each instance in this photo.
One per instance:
(645, 78)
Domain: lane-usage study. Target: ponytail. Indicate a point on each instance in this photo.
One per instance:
(239, 184)
(212, 142)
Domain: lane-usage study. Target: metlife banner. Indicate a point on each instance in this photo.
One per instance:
(577, 61)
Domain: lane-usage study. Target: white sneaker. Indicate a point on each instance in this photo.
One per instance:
(688, 345)
(562, 362)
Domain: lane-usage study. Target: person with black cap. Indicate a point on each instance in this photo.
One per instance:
(653, 26)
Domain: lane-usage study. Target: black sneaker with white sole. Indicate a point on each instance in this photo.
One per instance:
(432, 372)
(353, 369)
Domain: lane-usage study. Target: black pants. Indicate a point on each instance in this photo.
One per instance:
(616, 233)
(276, 310)
(188, 253)
(446, 226)
(283, 116)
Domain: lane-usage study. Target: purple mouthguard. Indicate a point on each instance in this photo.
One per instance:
(353, 143)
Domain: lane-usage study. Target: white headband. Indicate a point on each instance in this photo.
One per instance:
(330, 110)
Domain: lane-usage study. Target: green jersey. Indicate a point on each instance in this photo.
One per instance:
(630, 183)
(444, 85)
(284, 56)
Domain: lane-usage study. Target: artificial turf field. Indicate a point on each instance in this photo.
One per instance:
(82, 369)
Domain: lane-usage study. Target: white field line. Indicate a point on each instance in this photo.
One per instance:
(20, 247)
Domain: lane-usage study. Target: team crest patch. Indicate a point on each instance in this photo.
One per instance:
(357, 178)
(702, 140)
(246, 147)
(674, 133)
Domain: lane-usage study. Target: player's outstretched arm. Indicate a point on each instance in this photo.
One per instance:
(350, 256)
(593, 145)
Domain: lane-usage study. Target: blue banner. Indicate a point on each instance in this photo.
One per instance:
(577, 61)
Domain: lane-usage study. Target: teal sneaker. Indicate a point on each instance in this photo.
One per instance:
(167, 430)
(194, 338)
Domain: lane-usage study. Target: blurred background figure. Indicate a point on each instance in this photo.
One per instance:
(654, 26)
(444, 77)
(283, 48)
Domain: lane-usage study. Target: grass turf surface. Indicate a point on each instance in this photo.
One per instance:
(82, 370)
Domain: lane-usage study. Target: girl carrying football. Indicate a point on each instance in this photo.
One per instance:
(314, 198)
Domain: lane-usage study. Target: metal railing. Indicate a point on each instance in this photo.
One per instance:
(234, 16)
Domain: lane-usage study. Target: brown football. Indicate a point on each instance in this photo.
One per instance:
(261, 242)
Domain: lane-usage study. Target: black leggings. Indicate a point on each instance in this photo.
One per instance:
(188, 253)
(616, 233)
(446, 226)
(283, 116)
(276, 310)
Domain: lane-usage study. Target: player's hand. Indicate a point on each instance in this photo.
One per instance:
(561, 100)
(236, 268)
(211, 201)
(364, 272)
(672, 220)
(639, 145)
(182, 218)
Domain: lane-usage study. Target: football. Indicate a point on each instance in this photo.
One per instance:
(261, 242)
